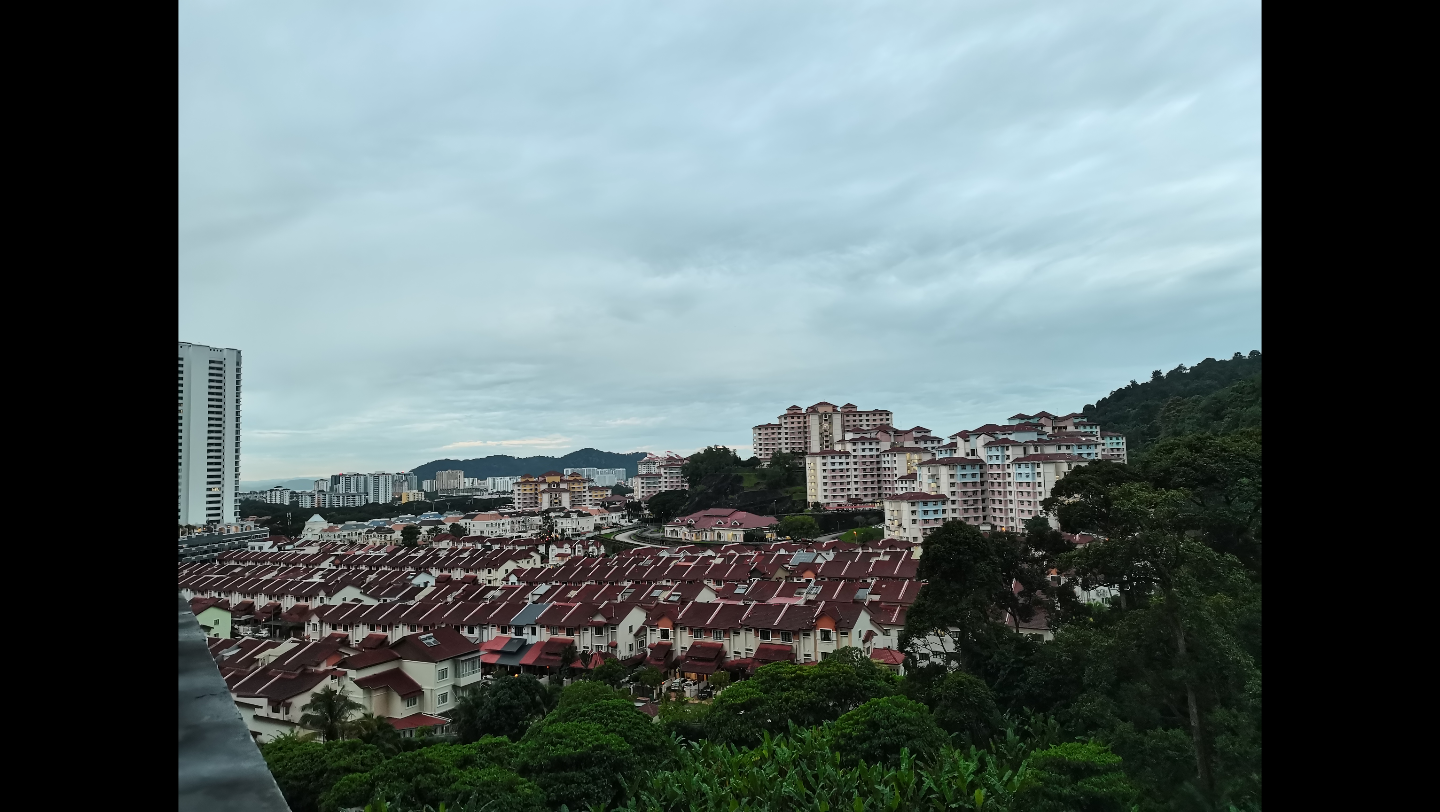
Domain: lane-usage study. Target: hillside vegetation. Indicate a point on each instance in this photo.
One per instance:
(506, 465)
(1211, 397)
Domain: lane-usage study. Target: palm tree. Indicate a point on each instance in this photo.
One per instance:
(375, 730)
(327, 711)
(568, 656)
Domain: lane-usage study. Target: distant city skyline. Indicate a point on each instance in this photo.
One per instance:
(460, 230)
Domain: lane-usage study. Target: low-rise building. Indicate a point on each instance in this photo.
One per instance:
(719, 524)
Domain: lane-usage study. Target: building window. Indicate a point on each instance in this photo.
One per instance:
(443, 699)
(825, 635)
(786, 637)
(764, 634)
(664, 634)
(412, 701)
(442, 674)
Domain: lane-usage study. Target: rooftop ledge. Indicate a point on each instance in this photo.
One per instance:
(221, 769)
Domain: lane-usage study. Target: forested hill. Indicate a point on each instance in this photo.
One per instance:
(506, 465)
(1208, 398)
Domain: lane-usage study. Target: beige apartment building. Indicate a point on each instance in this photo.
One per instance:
(817, 428)
(551, 489)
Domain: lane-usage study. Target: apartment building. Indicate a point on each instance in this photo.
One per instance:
(868, 464)
(604, 477)
(449, 480)
(1112, 447)
(501, 484)
(962, 480)
(659, 473)
(816, 428)
(209, 434)
(898, 467)
(551, 489)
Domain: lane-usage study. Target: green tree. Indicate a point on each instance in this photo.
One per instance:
(568, 656)
(305, 770)
(376, 730)
(1188, 631)
(664, 505)
(457, 530)
(683, 718)
(781, 693)
(584, 754)
(876, 732)
(440, 774)
(502, 707)
(650, 677)
(410, 536)
(1221, 477)
(1083, 502)
(715, 459)
(861, 535)
(610, 672)
(968, 576)
(328, 711)
(621, 490)
(799, 527)
(1076, 777)
(719, 680)
(963, 705)
(755, 536)
(784, 470)
(588, 691)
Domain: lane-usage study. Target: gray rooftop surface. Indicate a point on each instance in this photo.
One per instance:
(220, 767)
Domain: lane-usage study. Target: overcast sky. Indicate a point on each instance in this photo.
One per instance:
(462, 229)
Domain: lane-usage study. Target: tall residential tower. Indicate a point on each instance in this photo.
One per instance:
(209, 434)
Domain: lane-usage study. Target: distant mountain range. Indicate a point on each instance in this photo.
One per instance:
(303, 483)
(506, 465)
(498, 465)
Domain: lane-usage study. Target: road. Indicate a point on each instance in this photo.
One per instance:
(628, 537)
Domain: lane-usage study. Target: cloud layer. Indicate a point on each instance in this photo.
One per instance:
(654, 225)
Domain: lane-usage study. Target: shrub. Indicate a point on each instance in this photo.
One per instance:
(584, 693)
(1075, 777)
(876, 732)
(964, 706)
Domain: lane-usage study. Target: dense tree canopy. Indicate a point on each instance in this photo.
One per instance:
(664, 505)
(501, 707)
(715, 459)
(799, 526)
(878, 730)
(583, 753)
(781, 693)
(1210, 397)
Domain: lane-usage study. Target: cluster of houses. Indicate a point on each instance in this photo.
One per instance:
(405, 631)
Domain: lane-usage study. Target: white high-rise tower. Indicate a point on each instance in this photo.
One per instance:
(209, 434)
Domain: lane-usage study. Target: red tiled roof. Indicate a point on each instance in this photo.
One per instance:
(394, 679)
(546, 654)
(887, 656)
(277, 685)
(365, 659)
(659, 654)
(449, 644)
(774, 653)
(372, 641)
(415, 720)
(495, 643)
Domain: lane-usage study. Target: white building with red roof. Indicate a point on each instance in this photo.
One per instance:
(719, 524)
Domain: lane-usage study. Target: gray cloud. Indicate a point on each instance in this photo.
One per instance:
(653, 225)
